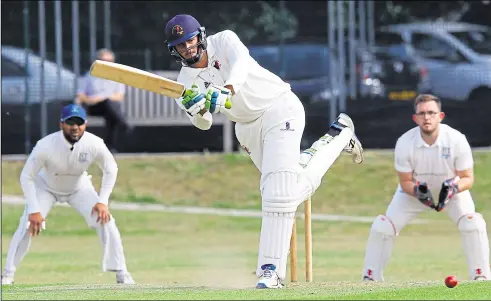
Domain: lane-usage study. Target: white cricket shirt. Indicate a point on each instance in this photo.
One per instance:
(436, 163)
(62, 170)
(229, 63)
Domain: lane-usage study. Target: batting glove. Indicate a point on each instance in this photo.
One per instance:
(218, 99)
(423, 194)
(449, 189)
(193, 101)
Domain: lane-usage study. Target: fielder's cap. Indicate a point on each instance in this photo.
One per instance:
(73, 110)
(180, 29)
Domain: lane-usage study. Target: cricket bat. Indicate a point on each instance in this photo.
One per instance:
(137, 78)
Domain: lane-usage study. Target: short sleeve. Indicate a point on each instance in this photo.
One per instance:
(402, 161)
(463, 158)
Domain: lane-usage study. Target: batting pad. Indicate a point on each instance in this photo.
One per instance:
(475, 241)
(274, 243)
(379, 248)
(324, 155)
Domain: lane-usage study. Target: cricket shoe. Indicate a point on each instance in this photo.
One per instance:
(480, 278)
(354, 146)
(124, 278)
(269, 277)
(7, 280)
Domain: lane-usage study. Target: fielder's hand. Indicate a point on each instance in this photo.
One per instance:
(103, 215)
(218, 99)
(449, 188)
(35, 224)
(193, 101)
(423, 194)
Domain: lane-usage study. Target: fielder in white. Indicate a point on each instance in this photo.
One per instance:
(56, 171)
(432, 160)
(270, 121)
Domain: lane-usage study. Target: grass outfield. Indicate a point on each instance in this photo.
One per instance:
(315, 291)
(347, 188)
(179, 256)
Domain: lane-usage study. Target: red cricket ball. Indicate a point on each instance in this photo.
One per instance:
(451, 281)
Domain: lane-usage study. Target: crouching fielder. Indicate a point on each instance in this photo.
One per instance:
(432, 159)
(56, 171)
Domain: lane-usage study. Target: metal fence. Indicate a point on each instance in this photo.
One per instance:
(452, 60)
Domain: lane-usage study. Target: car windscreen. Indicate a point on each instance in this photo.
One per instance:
(477, 40)
(296, 62)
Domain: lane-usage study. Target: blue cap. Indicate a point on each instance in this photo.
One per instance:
(180, 29)
(73, 110)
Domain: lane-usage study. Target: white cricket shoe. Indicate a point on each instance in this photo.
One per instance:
(269, 278)
(7, 280)
(124, 278)
(354, 146)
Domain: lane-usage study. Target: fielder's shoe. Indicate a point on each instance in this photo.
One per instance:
(7, 279)
(354, 146)
(269, 278)
(366, 278)
(124, 278)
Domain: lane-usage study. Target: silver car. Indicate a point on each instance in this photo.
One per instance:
(15, 71)
(457, 55)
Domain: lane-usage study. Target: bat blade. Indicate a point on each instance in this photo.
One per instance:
(137, 78)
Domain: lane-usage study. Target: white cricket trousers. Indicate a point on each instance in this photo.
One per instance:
(83, 200)
(403, 209)
(273, 143)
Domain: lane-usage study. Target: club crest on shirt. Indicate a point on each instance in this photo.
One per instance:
(445, 152)
(217, 65)
(287, 127)
(82, 157)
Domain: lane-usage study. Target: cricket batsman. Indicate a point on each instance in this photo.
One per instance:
(221, 77)
(56, 171)
(435, 168)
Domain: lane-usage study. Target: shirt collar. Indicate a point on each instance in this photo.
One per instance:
(421, 143)
(67, 144)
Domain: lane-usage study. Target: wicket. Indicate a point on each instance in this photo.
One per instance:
(308, 245)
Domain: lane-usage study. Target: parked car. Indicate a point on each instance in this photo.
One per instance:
(457, 55)
(15, 71)
(390, 70)
(306, 68)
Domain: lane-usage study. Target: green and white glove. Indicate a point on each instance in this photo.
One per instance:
(218, 99)
(193, 101)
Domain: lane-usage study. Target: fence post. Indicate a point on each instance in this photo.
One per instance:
(27, 111)
(42, 50)
(59, 45)
(333, 108)
(75, 43)
(107, 24)
(92, 30)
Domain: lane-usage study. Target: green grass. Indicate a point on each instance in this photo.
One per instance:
(332, 291)
(178, 256)
(347, 188)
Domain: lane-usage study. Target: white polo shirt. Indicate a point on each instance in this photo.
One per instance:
(61, 169)
(436, 163)
(229, 63)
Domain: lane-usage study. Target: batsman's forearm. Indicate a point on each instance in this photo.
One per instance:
(465, 183)
(408, 187)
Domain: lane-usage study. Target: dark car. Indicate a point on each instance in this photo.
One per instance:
(389, 70)
(306, 68)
